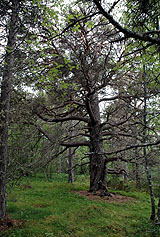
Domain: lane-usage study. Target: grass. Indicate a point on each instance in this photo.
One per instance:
(51, 209)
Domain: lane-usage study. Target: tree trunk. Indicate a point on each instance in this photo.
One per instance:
(5, 104)
(59, 169)
(51, 170)
(70, 156)
(70, 164)
(97, 157)
(98, 173)
(148, 172)
(125, 177)
(138, 178)
(149, 178)
(158, 212)
(97, 162)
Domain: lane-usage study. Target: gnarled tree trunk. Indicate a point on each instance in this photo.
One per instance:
(97, 157)
(97, 162)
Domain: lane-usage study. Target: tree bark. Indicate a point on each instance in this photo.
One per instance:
(97, 157)
(138, 178)
(70, 156)
(70, 164)
(158, 212)
(59, 169)
(148, 172)
(5, 103)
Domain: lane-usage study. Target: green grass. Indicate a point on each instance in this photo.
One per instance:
(51, 209)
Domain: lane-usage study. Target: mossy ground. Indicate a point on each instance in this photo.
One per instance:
(49, 208)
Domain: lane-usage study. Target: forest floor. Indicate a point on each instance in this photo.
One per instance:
(114, 197)
(40, 208)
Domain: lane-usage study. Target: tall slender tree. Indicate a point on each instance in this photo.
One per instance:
(7, 78)
(15, 15)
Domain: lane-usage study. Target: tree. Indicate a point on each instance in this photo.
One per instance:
(82, 64)
(5, 102)
(13, 22)
(84, 67)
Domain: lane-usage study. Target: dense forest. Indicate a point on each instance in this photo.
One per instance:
(80, 94)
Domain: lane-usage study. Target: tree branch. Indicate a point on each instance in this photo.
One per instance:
(41, 130)
(75, 144)
(126, 32)
(134, 146)
(73, 24)
(58, 120)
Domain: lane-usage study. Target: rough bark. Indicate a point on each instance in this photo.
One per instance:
(5, 104)
(158, 210)
(97, 157)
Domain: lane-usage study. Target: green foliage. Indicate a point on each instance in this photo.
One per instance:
(53, 209)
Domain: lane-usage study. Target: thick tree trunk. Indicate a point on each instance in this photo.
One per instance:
(97, 160)
(97, 157)
(158, 211)
(5, 104)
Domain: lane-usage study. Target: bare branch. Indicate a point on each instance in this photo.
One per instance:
(76, 144)
(134, 146)
(79, 165)
(113, 171)
(117, 134)
(113, 6)
(57, 120)
(45, 133)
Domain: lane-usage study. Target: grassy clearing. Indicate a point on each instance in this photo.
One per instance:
(51, 209)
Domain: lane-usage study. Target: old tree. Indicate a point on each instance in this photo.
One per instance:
(78, 74)
(84, 67)
(87, 63)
